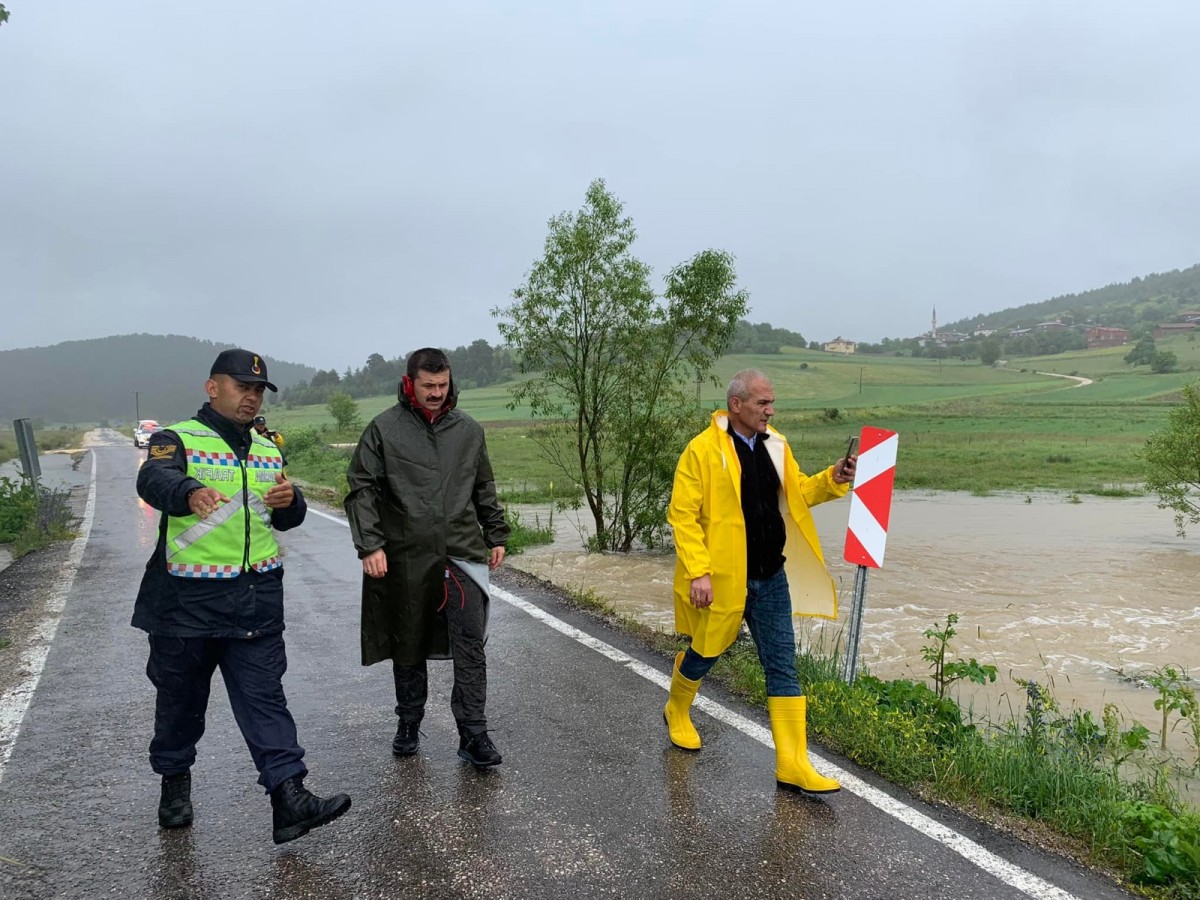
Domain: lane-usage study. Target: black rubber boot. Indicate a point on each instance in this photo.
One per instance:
(407, 738)
(175, 802)
(296, 810)
(478, 750)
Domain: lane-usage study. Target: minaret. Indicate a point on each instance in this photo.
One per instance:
(933, 332)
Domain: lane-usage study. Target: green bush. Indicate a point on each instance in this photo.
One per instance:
(299, 440)
(18, 507)
(321, 466)
(1097, 782)
(30, 518)
(521, 535)
(1169, 844)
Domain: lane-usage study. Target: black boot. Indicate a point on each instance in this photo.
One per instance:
(175, 802)
(296, 810)
(478, 750)
(407, 739)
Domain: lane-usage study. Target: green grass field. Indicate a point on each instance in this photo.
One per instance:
(962, 425)
(46, 439)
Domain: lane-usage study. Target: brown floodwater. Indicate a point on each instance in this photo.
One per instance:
(1085, 597)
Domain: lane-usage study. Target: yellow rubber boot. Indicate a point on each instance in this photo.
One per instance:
(679, 723)
(792, 768)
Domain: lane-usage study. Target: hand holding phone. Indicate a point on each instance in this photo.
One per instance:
(844, 468)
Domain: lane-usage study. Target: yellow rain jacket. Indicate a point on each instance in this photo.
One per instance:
(710, 535)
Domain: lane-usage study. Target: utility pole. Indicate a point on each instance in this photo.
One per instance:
(860, 371)
(137, 408)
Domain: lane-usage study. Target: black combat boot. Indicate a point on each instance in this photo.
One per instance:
(407, 738)
(478, 749)
(296, 810)
(175, 802)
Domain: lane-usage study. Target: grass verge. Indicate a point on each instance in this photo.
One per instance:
(1098, 791)
(522, 534)
(31, 519)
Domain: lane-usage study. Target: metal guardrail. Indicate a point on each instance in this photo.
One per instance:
(31, 467)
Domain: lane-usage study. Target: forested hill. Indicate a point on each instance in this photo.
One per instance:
(1154, 298)
(95, 380)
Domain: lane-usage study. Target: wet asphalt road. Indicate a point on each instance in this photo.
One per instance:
(590, 800)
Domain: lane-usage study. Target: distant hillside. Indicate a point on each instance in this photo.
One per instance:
(1153, 299)
(94, 380)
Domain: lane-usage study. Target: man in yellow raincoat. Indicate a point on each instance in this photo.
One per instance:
(747, 547)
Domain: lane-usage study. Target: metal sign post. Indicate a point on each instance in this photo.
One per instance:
(866, 533)
(31, 467)
(854, 625)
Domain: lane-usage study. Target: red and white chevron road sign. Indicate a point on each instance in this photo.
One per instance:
(871, 503)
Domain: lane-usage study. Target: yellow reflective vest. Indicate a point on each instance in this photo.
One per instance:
(238, 534)
(710, 535)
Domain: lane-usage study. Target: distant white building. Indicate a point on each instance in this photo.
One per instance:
(840, 345)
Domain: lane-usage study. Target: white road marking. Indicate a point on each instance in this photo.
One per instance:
(15, 702)
(974, 853)
(1000, 868)
(325, 515)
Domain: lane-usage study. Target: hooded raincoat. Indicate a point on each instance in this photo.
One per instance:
(710, 535)
(423, 492)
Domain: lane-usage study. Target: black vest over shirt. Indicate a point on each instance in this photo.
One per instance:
(765, 534)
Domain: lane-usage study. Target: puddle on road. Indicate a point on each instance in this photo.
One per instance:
(1078, 595)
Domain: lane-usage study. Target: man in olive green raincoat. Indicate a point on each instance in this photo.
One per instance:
(428, 528)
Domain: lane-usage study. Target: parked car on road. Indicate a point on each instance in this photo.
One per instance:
(141, 434)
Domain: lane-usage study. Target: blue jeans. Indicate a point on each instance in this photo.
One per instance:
(769, 615)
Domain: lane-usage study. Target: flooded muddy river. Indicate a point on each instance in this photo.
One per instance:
(1084, 597)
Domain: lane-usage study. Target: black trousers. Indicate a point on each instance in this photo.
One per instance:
(466, 621)
(181, 668)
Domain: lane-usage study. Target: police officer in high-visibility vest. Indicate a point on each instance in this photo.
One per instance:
(212, 595)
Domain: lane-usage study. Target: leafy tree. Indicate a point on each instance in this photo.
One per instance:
(1142, 353)
(3, 14)
(380, 370)
(1172, 458)
(1044, 343)
(989, 351)
(763, 338)
(323, 378)
(477, 362)
(1163, 361)
(478, 365)
(613, 366)
(344, 411)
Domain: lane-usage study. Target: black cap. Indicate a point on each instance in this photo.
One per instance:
(260, 420)
(242, 365)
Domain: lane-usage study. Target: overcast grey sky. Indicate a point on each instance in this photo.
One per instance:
(338, 179)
